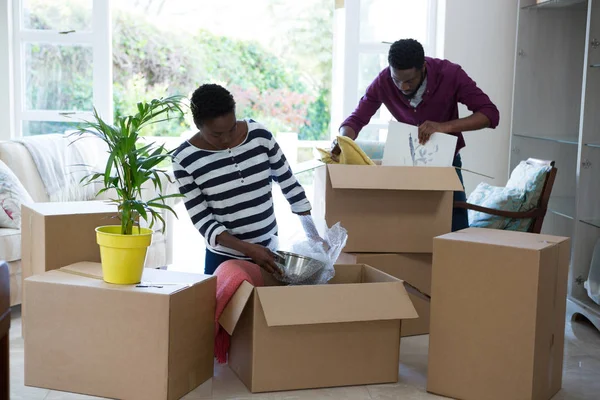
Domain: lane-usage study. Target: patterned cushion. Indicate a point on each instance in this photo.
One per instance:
(12, 195)
(531, 179)
(498, 198)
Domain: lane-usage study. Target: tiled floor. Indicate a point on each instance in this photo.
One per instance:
(581, 374)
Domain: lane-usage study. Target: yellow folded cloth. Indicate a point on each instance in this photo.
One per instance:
(351, 153)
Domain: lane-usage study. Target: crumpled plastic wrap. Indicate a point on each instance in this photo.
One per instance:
(324, 249)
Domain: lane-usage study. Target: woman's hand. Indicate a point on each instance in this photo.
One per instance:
(263, 257)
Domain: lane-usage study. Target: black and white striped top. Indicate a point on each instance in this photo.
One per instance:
(231, 190)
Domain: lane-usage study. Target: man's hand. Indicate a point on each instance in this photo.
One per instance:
(335, 151)
(428, 128)
(335, 147)
(263, 257)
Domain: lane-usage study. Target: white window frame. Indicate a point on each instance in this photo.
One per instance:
(99, 38)
(347, 50)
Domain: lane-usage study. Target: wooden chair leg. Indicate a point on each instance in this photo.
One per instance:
(4, 369)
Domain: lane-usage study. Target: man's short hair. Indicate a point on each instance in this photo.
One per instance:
(406, 54)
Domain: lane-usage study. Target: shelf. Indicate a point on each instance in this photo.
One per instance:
(587, 303)
(593, 145)
(554, 4)
(572, 140)
(595, 66)
(563, 206)
(585, 307)
(595, 222)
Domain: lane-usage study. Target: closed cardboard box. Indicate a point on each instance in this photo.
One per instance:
(57, 234)
(414, 269)
(119, 341)
(498, 303)
(299, 337)
(387, 209)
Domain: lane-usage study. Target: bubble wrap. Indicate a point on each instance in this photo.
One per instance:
(325, 250)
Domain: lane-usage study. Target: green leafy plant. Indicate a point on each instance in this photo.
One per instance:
(132, 163)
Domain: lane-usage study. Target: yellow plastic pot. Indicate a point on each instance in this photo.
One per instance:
(123, 256)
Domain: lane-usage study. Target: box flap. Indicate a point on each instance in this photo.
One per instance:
(410, 267)
(521, 240)
(393, 178)
(326, 304)
(233, 311)
(416, 292)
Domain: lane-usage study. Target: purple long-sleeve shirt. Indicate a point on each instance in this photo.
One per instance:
(447, 85)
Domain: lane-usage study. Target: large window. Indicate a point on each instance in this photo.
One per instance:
(364, 31)
(296, 66)
(275, 56)
(62, 63)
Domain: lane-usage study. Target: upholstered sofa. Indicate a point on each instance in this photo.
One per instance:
(19, 160)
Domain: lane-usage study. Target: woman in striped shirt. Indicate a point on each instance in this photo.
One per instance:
(225, 171)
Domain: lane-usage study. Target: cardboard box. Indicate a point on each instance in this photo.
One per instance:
(57, 234)
(414, 269)
(86, 336)
(299, 337)
(387, 209)
(498, 315)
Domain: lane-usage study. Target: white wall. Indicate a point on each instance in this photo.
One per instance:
(480, 35)
(6, 76)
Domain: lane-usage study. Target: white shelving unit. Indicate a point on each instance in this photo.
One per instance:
(556, 116)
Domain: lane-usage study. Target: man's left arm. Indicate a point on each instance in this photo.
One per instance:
(485, 113)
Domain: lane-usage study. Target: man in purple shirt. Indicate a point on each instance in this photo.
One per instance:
(425, 92)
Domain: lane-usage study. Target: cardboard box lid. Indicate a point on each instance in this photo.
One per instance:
(72, 207)
(394, 178)
(497, 237)
(324, 304)
(89, 274)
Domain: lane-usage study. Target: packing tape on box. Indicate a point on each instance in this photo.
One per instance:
(68, 271)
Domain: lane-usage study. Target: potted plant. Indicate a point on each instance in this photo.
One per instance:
(131, 166)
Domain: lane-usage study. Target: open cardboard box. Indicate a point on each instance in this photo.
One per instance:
(299, 337)
(387, 209)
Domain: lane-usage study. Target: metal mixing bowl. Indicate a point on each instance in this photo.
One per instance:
(296, 268)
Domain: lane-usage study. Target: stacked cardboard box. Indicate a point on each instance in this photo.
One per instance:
(57, 234)
(392, 215)
(498, 315)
